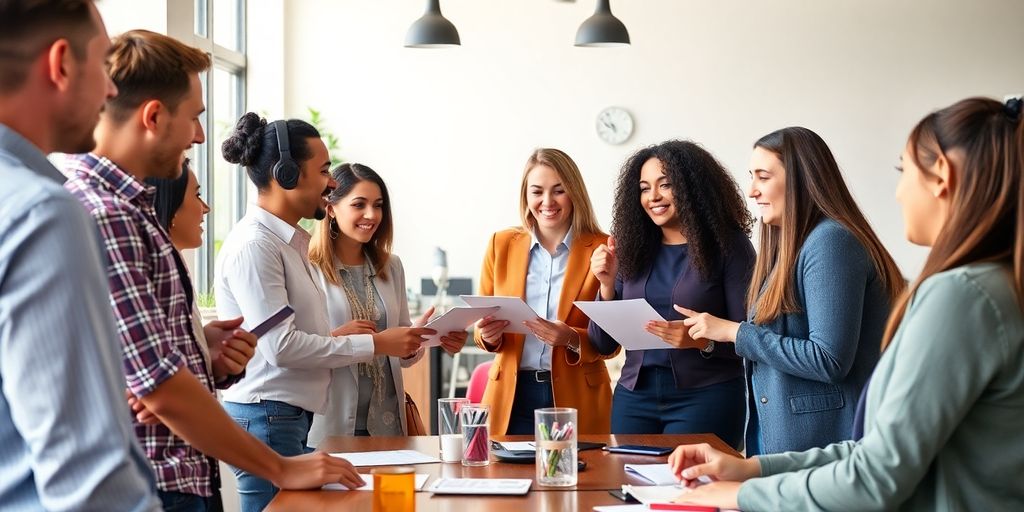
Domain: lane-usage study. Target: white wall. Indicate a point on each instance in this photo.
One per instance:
(450, 129)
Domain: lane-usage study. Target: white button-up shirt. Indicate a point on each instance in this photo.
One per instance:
(262, 267)
(544, 278)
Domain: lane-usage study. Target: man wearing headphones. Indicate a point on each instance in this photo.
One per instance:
(143, 133)
(263, 266)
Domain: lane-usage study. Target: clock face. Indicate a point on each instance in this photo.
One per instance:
(614, 125)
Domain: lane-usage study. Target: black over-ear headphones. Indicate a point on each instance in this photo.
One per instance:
(286, 171)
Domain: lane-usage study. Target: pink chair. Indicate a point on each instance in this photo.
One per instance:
(478, 382)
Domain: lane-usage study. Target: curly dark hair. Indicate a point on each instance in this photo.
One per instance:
(708, 204)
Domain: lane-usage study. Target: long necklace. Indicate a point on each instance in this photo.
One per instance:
(366, 309)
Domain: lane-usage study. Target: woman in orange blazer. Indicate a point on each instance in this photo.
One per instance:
(547, 263)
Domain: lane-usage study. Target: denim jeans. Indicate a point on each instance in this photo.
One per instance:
(280, 426)
(173, 501)
(655, 406)
(530, 395)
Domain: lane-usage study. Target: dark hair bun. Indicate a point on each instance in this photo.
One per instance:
(244, 144)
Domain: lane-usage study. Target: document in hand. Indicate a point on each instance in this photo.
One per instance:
(512, 309)
(421, 479)
(455, 319)
(624, 321)
(512, 486)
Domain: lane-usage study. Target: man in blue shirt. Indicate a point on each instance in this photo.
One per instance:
(65, 437)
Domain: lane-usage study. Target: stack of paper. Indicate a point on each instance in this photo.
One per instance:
(648, 494)
(421, 479)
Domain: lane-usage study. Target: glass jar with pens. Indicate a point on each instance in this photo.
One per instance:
(449, 428)
(476, 444)
(555, 438)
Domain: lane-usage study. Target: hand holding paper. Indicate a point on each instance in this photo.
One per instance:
(455, 319)
(625, 320)
(511, 309)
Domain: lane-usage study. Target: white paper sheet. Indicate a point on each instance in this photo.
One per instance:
(421, 480)
(621, 508)
(512, 309)
(387, 458)
(455, 319)
(513, 486)
(658, 474)
(624, 321)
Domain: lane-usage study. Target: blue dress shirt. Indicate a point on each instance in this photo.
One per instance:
(544, 278)
(65, 438)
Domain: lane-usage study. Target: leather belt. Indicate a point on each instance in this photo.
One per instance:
(538, 375)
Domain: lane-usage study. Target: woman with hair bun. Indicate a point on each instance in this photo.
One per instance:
(263, 267)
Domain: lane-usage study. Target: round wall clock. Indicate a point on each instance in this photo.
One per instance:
(614, 125)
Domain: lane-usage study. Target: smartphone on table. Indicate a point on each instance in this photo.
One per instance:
(637, 449)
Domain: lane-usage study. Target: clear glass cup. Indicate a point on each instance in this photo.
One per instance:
(394, 489)
(555, 438)
(476, 443)
(449, 427)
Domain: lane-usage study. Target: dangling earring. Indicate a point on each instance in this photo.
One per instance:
(333, 230)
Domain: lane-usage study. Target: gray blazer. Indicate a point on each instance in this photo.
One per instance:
(339, 419)
(806, 370)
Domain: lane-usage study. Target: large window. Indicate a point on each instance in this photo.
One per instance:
(219, 29)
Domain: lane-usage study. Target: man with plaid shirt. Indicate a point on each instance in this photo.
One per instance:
(144, 133)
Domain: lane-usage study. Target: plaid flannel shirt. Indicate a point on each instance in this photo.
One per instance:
(151, 298)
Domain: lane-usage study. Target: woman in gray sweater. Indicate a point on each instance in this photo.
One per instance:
(821, 291)
(944, 413)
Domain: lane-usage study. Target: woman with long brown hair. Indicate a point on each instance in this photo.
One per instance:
(944, 414)
(364, 284)
(822, 289)
(546, 261)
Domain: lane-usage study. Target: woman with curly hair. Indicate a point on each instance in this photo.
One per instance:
(822, 288)
(680, 237)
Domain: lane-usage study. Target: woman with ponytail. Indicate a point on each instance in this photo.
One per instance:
(944, 412)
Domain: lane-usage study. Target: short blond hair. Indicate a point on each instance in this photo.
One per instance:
(583, 219)
(148, 66)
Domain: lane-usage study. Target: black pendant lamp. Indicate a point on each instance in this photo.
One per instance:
(602, 29)
(432, 30)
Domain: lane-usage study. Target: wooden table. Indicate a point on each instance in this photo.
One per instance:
(604, 472)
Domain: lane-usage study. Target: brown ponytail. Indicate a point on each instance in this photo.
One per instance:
(986, 219)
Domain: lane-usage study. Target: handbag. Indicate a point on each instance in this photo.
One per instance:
(413, 420)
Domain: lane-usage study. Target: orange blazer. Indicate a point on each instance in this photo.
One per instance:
(580, 380)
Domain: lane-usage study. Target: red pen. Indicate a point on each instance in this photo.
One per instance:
(681, 506)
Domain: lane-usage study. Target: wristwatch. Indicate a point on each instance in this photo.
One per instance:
(575, 347)
(709, 348)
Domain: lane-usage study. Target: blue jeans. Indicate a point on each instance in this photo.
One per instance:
(530, 395)
(280, 426)
(655, 406)
(173, 501)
